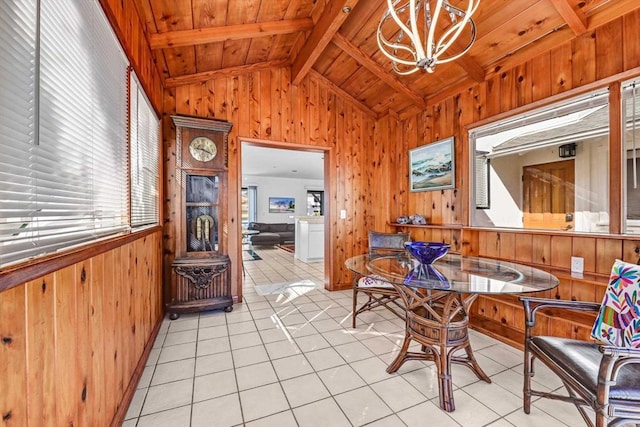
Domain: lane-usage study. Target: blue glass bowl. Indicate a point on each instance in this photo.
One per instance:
(427, 252)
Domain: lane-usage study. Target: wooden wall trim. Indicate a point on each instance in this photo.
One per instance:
(32, 269)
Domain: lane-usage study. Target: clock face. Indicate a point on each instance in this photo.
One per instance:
(202, 148)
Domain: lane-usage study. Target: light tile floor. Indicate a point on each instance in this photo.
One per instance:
(287, 356)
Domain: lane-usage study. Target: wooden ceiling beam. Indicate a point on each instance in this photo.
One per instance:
(384, 74)
(225, 72)
(332, 18)
(576, 19)
(228, 32)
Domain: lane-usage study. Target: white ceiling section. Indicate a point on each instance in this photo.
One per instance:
(281, 163)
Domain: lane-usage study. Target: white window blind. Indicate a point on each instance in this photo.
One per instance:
(144, 139)
(481, 183)
(72, 185)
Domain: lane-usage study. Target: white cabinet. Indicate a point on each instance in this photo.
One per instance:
(309, 238)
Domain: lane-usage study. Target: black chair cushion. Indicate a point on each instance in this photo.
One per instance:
(582, 360)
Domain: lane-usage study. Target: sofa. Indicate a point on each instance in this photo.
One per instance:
(271, 234)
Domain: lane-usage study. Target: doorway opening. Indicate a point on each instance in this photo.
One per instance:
(284, 202)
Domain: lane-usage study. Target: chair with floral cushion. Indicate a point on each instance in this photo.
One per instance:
(602, 375)
(379, 292)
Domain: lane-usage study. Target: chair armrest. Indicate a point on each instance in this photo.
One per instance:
(609, 350)
(613, 360)
(532, 305)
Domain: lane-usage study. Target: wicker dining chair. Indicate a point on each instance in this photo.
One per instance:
(603, 375)
(379, 292)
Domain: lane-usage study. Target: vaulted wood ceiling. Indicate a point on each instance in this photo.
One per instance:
(195, 40)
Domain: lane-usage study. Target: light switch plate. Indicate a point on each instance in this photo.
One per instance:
(343, 214)
(577, 264)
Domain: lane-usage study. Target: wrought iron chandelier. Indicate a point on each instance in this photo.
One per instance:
(423, 38)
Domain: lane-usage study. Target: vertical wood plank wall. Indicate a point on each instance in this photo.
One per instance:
(70, 341)
(265, 106)
(597, 54)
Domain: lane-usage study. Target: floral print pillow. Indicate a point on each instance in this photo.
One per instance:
(618, 322)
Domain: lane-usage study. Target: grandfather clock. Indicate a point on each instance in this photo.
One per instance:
(201, 271)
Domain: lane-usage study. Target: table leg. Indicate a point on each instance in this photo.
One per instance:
(439, 323)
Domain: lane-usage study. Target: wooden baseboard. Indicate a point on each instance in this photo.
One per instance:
(121, 412)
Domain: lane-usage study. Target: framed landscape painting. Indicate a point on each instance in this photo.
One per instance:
(282, 204)
(432, 166)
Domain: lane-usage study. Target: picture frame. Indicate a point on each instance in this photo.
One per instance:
(282, 205)
(432, 166)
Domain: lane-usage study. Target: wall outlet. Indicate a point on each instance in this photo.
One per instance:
(577, 264)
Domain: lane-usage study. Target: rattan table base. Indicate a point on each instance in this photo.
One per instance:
(438, 321)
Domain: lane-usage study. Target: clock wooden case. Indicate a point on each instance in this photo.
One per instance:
(201, 270)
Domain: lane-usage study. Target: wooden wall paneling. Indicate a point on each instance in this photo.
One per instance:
(340, 175)
(68, 390)
(196, 103)
(607, 251)
(523, 248)
(561, 251)
(373, 196)
(303, 123)
(561, 70)
(583, 57)
(349, 195)
(492, 104)
(522, 84)
(13, 345)
(541, 77)
(377, 172)
(286, 105)
(275, 80)
(409, 129)
(57, 338)
(40, 356)
(255, 117)
(584, 247)
(631, 43)
(83, 342)
(265, 106)
(313, 106)
(507, 89)
(126, 303)
(609, 44)
(507, 245)
(103, 267)
(493, 241)
(541, 249)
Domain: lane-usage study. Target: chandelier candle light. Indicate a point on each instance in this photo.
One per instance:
(416, 46)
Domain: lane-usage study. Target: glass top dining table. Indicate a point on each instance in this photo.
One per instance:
(437, 299)
(456, 273)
